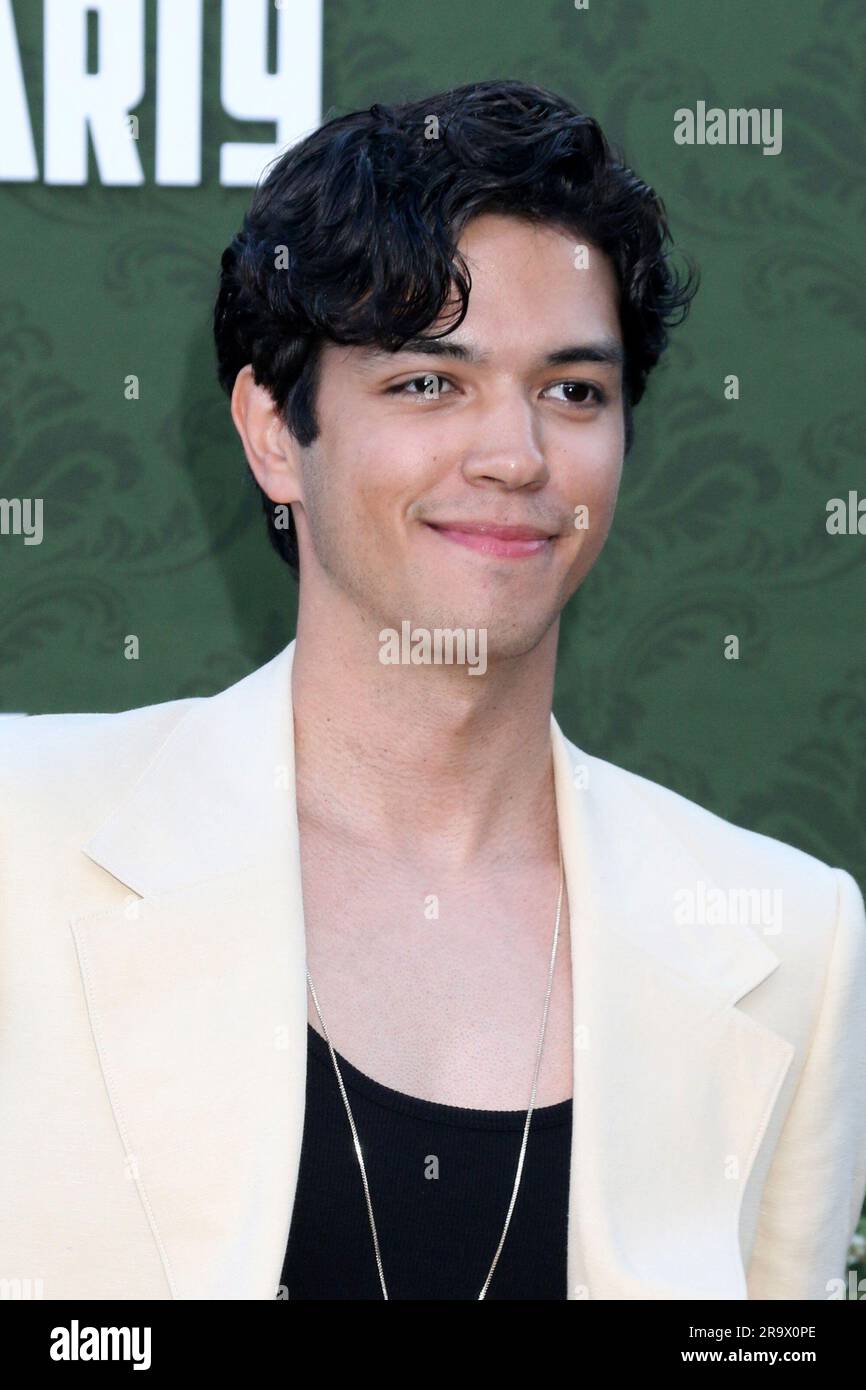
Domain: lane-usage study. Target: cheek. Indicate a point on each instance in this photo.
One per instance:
(594, 473)
(388, 472)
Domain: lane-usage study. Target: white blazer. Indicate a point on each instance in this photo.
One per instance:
(153, 1009)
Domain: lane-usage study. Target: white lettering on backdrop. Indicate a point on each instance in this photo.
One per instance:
(78, 103)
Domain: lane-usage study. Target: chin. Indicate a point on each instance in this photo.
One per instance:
(504, 638)
(516, 642)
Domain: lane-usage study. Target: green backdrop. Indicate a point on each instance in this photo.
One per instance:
(152, 528)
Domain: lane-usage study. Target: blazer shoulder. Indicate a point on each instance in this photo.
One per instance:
(58, 760)
(816, 894)
(707, 833)
(815, 905)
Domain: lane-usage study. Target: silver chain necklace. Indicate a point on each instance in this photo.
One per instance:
(519, 1172)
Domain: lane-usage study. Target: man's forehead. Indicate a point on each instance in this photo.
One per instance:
(604, 349)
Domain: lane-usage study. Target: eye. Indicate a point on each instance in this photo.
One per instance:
(430, 384)
(598, 394)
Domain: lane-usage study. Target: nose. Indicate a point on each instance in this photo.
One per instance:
(505, 448)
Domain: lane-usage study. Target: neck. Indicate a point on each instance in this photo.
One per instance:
(425, 762)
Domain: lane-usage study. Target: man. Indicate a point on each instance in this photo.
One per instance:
(434, 326)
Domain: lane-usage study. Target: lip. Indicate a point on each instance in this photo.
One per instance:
(491, 538)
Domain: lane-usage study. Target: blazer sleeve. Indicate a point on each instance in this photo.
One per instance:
(816, 1183)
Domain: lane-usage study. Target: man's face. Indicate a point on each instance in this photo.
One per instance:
(414, 446)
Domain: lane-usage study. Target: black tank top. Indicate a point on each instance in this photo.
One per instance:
(440, 1178)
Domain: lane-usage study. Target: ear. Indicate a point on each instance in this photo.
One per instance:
(272, 451)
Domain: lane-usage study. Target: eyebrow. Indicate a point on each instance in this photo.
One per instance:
(606, 350)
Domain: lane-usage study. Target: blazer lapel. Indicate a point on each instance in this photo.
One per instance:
(673, 1084)
(196, 991)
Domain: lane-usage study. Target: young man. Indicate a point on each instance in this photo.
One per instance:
(359, 979)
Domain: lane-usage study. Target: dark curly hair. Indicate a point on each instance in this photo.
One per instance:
(368, 211)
